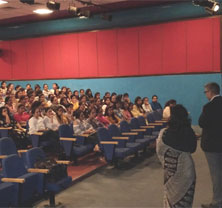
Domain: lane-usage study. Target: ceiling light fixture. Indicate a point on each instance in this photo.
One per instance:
(76, 12)
(52, 5)
(43, 11)
(3, 2)
(211, 6)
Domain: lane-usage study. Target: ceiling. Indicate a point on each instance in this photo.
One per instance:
(15, 12)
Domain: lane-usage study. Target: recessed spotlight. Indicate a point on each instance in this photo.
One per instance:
(3, 2)
(43, 11)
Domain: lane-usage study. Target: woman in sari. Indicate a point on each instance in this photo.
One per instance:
(174, 147)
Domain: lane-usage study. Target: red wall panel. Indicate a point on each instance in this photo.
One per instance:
(69, 55)
(107, 53)
(52, 58)
(174, 48)
(216, 44)
(150, 54)
(5, 61)
(199, 45)
(19, 59)
(128, 46)
(88, 66)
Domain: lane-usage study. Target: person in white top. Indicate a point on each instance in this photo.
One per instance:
(166, 110)
(146, 105)
(50, 121)
(36, 121)
(46, 91)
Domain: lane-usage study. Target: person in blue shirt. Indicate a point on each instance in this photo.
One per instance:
(154, 104)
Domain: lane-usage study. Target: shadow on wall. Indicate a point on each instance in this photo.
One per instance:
(186, 89)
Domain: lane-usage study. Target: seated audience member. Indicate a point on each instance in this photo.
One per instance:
(62, 119)
(76, 93)
(49, 100)
(21, 116)
(83, 100)
(63, 89)
(106, 104)
(50, 121)
(3, 88)
(54, 87)
(83, 109)
(97, 103)
(55, 103)
(95, 123)
(111, 117)
(137, 107)
(167, 108)
(75, 102)
(68, 95)
(80, 125)
(127, 115)
(17, 133)
(10, 89)
(37, 88)
(101, 118)
(154, 104)
(89, 94)
(131, 108)
(9, 104)
(43, 101)
(2, 100)
(69, 112)
(146, 106)
(46, 92)
(113, 99)
(28, 87)
(118, 110)
(97, 95)
(81, 92)
(64, 102)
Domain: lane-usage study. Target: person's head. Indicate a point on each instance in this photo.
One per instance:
(138, 101)
(126, 97)
(38, 92)
(18, 94)
(31, 98)
(154, 98)
(171, 103)
(3, 84)
(63, 89)
(179, 118)
(74, 99)
(92, 113)
(83, 98)
(130, 106)
(89, 93)
(97, 95)
(21, 109)
(45, 87)
(76, 93)
(97, 102)
(81, 106)
(109, 111)
(118, 105)
(211, 89)
(100, 112)
(80, 115)
(145, 100)
(28, 86)
(64, 101)
(125, 105)
(8, 100)
(113, 98)
(54, 100)
(107, 94)
(41, 98)
(82, 92)
(18, 87)
(59, 111)
(37, 87)
(49, 112)
(10, 87)
(35, 109)
(69, 108)
(4, 111)
(107, 101)
(55, 86)
(23, 100)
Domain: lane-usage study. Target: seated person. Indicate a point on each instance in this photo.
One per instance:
(127, 116)
(102, 119)
(154, 104)
(167, 108)
(21, 116)
(111, 117)
(137, 108)
(146, 106)
(118, 110)
(50, 121)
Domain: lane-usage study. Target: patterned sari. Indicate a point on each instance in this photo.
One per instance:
(179, 175)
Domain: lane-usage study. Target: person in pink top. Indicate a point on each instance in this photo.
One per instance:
(102, 119)
(21, 116)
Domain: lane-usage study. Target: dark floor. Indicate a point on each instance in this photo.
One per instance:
(137, 183)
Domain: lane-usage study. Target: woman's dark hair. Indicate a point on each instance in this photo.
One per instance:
(139, 107)
(113, 115)
(78, 113)
(89, 93)
(3, 82)
(21, 98)
(119, 98)
(144, 99)
(179, 118)
(37, 87)
(34, 106)
(113, 94)
(47, 109)
(1, 109)
(37, 93)
(17, 86)
(9, 85)
(170, 102)
(20, 105)
(97, 93)
(7, 99)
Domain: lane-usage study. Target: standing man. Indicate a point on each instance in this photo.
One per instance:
(211, 143)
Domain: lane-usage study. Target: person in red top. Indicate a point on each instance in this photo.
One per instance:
(21, 116)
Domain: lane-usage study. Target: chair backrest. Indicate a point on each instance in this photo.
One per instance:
(103, 134)
(13, 166)
(150, 118)
(125, 127)
(34, 155)
(3, 133)
(134, 123)
(7, 146)
(142, 121)
(115, 132)
(157, 115)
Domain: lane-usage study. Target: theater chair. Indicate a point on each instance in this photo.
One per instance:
(4, 131)
(8, 195)
(35, 154)
(139, 137)
(73, 147)
(28, 185)
(123, 141)
(152, 120)
(112, 153)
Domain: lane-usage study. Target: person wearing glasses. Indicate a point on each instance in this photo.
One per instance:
(211, 143)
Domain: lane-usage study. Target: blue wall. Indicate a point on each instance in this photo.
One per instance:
(186, 89)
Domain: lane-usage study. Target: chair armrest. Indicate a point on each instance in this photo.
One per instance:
(65, 162)
(13, 180)
(38, 133)
(22, 151)
(138, 130)
(129, 133)
(67, 139)
(124, 138)
(38, 170)
(155, 124)
(147, 127)
(107, 142)
(162, 121)
(3, 156)
(5, 128)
